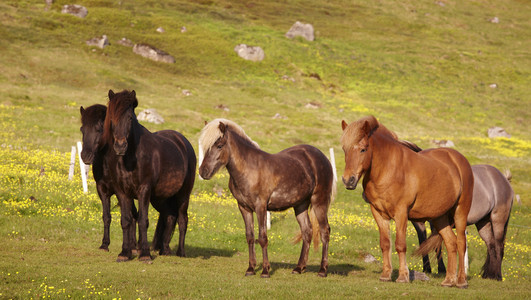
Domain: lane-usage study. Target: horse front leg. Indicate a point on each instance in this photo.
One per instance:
(126, 220)
(385, 244)
(401, 246)
(143, 222)
(261, 215)
(249, 235)
(301, 213)
(105, 198)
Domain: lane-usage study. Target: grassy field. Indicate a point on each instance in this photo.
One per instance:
(426, 70)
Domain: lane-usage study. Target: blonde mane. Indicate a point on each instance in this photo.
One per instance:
(211, 133)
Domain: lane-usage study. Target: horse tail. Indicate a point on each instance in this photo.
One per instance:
(433, 243)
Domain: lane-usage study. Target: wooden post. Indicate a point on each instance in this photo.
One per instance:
(82, 167)
(72, 164)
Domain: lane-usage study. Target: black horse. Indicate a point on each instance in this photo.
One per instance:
(92, 119)
(157, 168)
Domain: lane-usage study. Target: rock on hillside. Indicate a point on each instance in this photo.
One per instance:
(300, 29)
(76, 10)
(153, 53)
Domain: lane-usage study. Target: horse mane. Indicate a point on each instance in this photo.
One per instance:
(211, 133)
(374, 127)
(118, 104)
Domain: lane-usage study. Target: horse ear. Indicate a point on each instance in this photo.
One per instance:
(135, 103)
(206, 123)
(222, 127)
(81, 110)
(111, 94)
(366, 128)
(344, 125)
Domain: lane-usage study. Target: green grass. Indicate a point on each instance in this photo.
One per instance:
(422, 69)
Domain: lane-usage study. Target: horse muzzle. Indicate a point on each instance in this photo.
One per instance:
(120, 147)
(351, 182)
(87, 157)
(205, 173)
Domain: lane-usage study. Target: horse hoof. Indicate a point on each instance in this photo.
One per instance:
(264, 275)
(146, 258)
(385, 279)
(122, 259)
(297, 270)
(104, 248)
(462, 285)
(447, 283)
(403, 279)
(322, 274)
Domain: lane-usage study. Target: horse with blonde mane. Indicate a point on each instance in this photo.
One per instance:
(400, 183)
(300, 177)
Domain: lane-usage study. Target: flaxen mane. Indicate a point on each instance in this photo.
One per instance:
(211, 133)
(374, 127)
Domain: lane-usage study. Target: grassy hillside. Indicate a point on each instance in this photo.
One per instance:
(423, 68)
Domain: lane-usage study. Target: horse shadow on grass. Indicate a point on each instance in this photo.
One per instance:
(336, 269)
(207, 253)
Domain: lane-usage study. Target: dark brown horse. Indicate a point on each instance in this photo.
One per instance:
(92, 119)
(157, 168)
(491, 207)
(401, 184)
(298, 177)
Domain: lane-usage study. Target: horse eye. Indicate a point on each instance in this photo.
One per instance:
(363, 150)
(220, 146)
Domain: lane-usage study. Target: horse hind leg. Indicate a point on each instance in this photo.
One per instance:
(301, 214)
(494, 241)
(450, 241)
(182, 220)
(324, 230)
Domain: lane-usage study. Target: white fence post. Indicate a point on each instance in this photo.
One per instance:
(201, 156)
(82, 167)
(72, 163)
(333, 162)
(466, 254)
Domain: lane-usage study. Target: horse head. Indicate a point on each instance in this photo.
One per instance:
(358, 153)
(92, 119)
(217, 153)
(120, 119)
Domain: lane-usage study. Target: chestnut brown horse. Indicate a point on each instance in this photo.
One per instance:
(401, 184)
(157, 168)
(298, 177)
(92, 119)
(491, 207)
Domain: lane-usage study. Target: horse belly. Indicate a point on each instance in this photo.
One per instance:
(286, 196)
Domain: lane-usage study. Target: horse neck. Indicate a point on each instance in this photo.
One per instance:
(242, 153)
(384, 151)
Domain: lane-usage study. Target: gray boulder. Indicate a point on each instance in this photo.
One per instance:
(150, 115)
(494, 132)
(300, 29)
(74, 9)
(153, 53)
(253, 53)
(99, 42)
